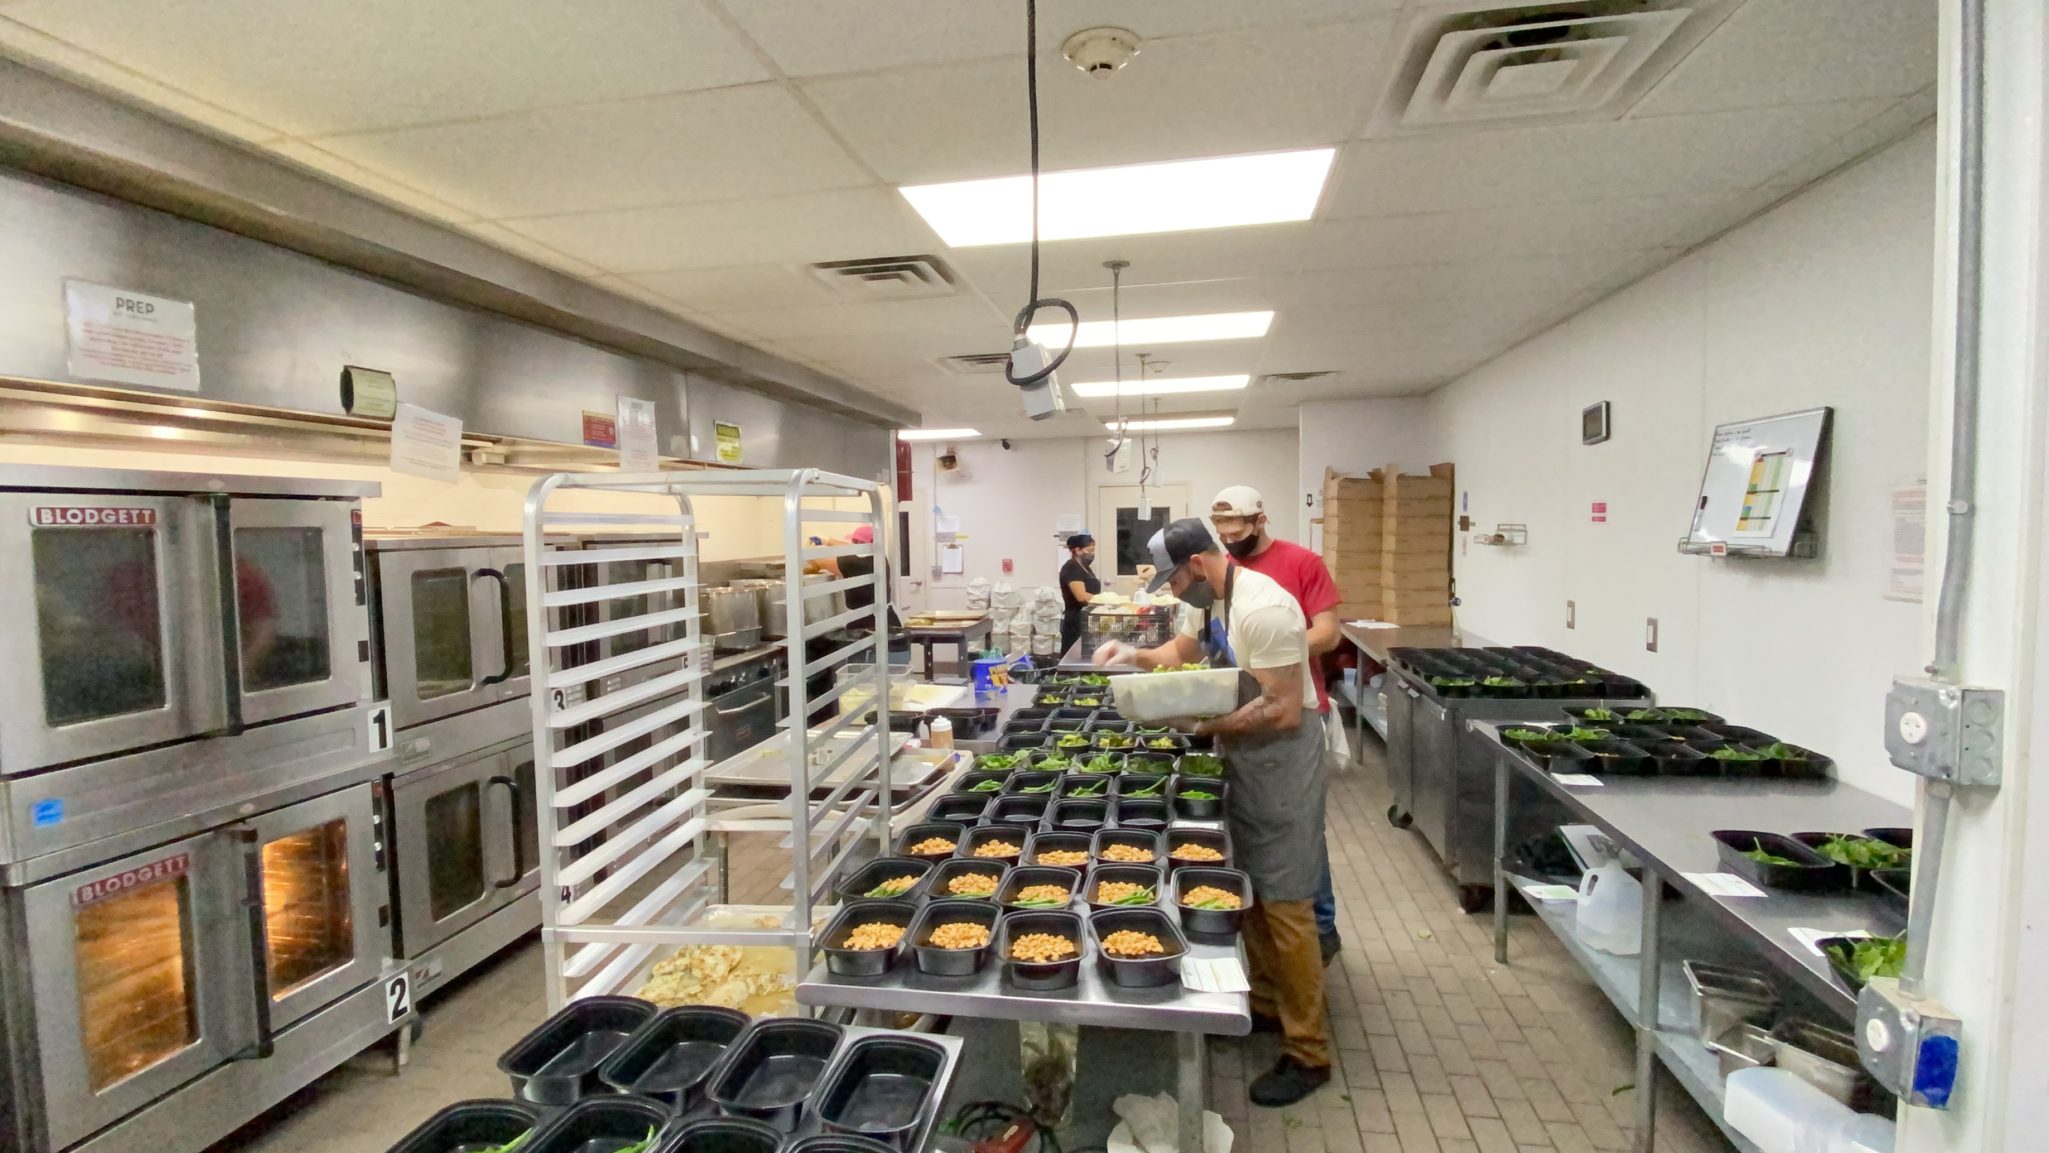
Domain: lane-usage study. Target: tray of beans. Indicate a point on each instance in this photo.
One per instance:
(1066, 850)
(1137, 813)
(1003, 843)
(1137, 786)
(1018, 812)
(1041, 948)
(965, 878)
(931, 839)
(884, 879)
(1140, 948)
(865, 939)
(1199, 798)
(954, 938)
(1032, 782)
(1087, 786)
(1123, 886)
(1211, 902)
(1127, 847)
(1039, 887)
(1190, 846)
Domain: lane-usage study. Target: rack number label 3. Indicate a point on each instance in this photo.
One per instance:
(398, 998)
(379, 720)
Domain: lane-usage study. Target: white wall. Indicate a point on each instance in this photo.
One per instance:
(1358, 436)
(1823, 301)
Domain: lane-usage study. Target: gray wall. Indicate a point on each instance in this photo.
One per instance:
(276, 326)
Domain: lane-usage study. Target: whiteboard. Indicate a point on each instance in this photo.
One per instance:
(1753, 493)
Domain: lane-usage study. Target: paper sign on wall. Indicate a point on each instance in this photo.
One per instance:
(600, 430)
(728, 442)
(952, 559)
(637, 452)
(1904, 576)
(130, 337)
(426, 443)
(1599, 512)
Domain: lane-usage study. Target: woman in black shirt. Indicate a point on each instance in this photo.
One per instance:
(1078, 586)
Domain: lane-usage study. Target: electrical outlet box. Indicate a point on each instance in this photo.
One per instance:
(1572, 614)
(1650, 634)
(1945, 732)
(1908, 1042)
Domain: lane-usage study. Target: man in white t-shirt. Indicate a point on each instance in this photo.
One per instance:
(1273, 749)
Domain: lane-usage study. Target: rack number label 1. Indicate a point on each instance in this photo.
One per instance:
(398, 998)
(380, 726)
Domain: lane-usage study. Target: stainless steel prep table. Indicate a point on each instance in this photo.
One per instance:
(1373, 644)
(1664, 823)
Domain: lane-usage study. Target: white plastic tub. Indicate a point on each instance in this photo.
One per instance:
(1780, 1112)
(1158, 696)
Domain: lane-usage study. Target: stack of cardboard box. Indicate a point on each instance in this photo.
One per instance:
(1387, 543)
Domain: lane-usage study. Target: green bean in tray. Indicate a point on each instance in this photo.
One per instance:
(1072, 741)
(1048, 787)
(988, 786)
(1093, 789)
(1055, 762)
(515, 1143)
(1764, 856)
(1202, 765)
(1151, 790)
(1539, 735)
(998, 760)
(1197, 795)
(1103, 763)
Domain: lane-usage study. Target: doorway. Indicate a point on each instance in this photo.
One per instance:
(1124, 533)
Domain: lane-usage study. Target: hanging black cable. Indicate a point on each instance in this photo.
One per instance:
(1032, 306)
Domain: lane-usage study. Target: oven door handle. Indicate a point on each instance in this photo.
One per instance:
(505, 625)
(750, 706)
(512, 819)
(259, 941)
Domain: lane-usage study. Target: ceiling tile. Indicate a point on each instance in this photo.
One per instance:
(503, 237)
(1724, 151)
(755, 140)
(1770, 53)
(1260, 90)
(342, 171)
(968, 314)
(50, 54)
(1003, 272)
(318, 68)
(1522, 229)
(1340, 291)
(760, 286)
(840, 225)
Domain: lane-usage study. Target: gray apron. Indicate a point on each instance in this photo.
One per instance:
(1277, 788)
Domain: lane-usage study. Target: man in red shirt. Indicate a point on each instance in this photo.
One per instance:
(1239, 514)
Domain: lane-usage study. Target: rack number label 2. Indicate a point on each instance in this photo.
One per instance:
(380, 726)
(398, 998)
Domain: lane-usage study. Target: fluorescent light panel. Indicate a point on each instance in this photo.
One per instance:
(1127, 200)
(1152, 330)
(935, 433)
(1162, 386)
(1173, 423)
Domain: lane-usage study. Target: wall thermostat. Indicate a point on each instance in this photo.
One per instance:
(1593, 423)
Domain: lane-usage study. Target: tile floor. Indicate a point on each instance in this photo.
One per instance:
(1440, 1049)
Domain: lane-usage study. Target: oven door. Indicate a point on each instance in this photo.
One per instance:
(297, 621)
(514, 665)
(467, 844)
(125, 648)
(143, 974)
(741, 719)
(320, 895)
(442, 644)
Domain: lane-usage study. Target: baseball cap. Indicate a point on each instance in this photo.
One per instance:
(862, 534)
(1172, 546)
(1238, 500)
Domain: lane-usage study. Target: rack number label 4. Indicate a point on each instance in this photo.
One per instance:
(379, 721)
(398, 998)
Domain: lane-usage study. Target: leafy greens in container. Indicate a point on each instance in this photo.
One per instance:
(1202, 765)
(1864, 853)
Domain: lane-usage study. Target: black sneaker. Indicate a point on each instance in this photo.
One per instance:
(1262, 1023)
(1331, 943)
(1288, 1082)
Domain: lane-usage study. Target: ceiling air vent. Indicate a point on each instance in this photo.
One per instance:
(886, 277)
(975, 363)
(1297, 377)
(1488, 67)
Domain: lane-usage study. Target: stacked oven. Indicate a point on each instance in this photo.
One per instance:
(192, 897)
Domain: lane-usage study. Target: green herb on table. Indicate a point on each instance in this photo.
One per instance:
(1532, 735)
(1644, 716)
(1197, 795)
(1103, 763)
(1864, 852)
(1093, 789)
(991, 785)
(1142, 897)
(1764, 856)
(1738, 753)
(996, 761)
(1087, 702)
(1595, 714)
(1870, 957)
(1212, 903)
(1688, 716)
(1151, 790)
(1202, 765)
(1781, 751)
(894, 887)
(1055, 762)
(1072, 741)
(1048, 787)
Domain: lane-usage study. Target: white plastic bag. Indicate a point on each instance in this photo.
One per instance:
(978, 593)
(1611, 910)
(1002, 596)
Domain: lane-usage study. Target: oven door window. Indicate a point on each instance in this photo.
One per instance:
(99, 623)
(441, 632)
(137, 1002)
(515, 620)
(455, 849)
(281, 607)
(307, 915)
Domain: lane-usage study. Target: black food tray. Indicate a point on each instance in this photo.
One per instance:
(1052, 839)
(947, 829)
(1217, 839)
(1211, 926)
(557, 1064)
(1024, 812)
(1147, 875)
(994, 834)
(881, 1088)
(1148, 839)
(1083, 815)
(599, 1125)
(773, 1068)
(1200, 810)
(1140, 813)
(936, 886)
(470, 1125)
(1139, 972)
(855, 886)
(1026, 876)
(941, 962)
(1813, 871)
(1129, 784)
(844, 962)
(722, 1135)
(1042, 976)
(670, 1057)
(964, 808)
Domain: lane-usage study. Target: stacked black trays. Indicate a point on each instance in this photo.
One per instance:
(772, 1070)
(469, 1125)
(670, 1057)
(599, 1125)
(557, 1064)
(879, 1088)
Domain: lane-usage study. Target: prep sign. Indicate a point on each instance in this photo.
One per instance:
(130, 337)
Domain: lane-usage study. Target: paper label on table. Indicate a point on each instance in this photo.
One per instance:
(1577, 780)
(1812, 938)
(1551, 893)
(1372, 625)
(426, 443)
(637, 452)
(130, 337)
(1214, 975)
(1724, 885)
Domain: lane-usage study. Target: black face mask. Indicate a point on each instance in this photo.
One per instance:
(1244, 547)
(1199, 595)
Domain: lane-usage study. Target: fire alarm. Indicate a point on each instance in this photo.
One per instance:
(1100, 51)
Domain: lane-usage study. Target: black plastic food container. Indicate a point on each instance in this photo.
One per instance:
(1849, 876)
(1645, 736)
(1041, 976)
(1026, 876)
(1813, 871)
(557, 1064)
(1088, 786)
(1181, 764)
(1085, 815)
(1211, 926)
(1579, 717)
(1067, 842)
(1139, 972)
(773, 1068)
(845, 962)
(1682, 715)
(599, 1125)
(1061, 761)
(947, 830)
(1028, 720)
(937, 886)
(881, 1087)
(1195, 808)
(969, 724)
(941, 962)
(1548, 737)
(1147, 743)
(1893, 886)
(1108, 721)
(965, 808)
(1147, 875)
(1147, 839)
(838, 1143)
(722, 1135)
(1674, 759)
(470, 1125)
(1076, 746)
(1020, 811)
(976, 782)
(1023, 742)
(1138, 813)
(1130, 784)
(855, 886)
(1216, 839)
(1616, 759)
(1027, 779)
(1085, 763)
(972, 845)
(670, 1057)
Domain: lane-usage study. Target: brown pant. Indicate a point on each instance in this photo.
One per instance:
(1286, 961)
